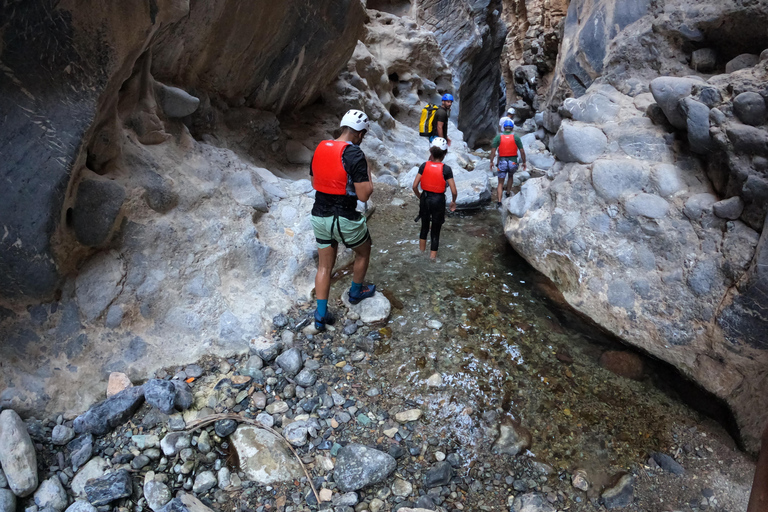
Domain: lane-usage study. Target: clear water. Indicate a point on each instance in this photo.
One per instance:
(500, 351)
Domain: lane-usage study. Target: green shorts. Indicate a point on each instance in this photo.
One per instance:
(351, 233)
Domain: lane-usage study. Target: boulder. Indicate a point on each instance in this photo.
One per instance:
(264, 458)
(668, 91)
(578, 143)
(472, 186)
(524, 200)
(747, 139)
(614, 178)
(745, 60)
(96, 209)
(370, 310)
(17, 454)
(359, 466)
(750, 108)
(175, 102)
(730, 208)
(7, 501)
(697, 123)
(114, 411)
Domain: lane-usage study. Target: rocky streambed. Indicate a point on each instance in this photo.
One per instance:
(457, 388)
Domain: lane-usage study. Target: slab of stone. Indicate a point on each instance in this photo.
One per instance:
(578, 143)
(108, 488)
(17, 454)
(264, 457)
(370, 310)
(614, 178)
(730, 208)
(114, 411)
(51, 494)
(646, 205)
(80, 450)
(358, 466)
(750, 108)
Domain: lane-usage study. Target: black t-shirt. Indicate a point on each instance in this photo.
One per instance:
(441, 116)
(447, 171)
(328, 205)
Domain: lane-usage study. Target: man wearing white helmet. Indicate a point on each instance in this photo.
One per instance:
(509, 116)
(433, 177)
(340, 176)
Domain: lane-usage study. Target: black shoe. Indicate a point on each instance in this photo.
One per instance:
(498, 205)
(365, 292)
(322, 321)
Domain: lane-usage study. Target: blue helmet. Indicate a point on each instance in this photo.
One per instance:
(508, 125)
(447, 97)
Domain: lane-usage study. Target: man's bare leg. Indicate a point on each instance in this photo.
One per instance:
(326, 258)
(362, 258)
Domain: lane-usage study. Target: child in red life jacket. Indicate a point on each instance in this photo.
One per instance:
(434, 177)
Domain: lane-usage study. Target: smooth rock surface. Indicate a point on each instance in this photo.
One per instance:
(578, 143)
(17, 454)
(370, 310)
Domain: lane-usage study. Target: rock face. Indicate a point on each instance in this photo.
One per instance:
(646, 217)
(17, 454)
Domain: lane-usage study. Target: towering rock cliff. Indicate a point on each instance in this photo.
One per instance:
(652, 220)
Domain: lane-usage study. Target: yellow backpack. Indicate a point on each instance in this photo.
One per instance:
(427, 125)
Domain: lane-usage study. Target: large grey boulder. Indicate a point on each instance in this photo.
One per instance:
(745, 60)
(524, 200)
(578, 143)
(668, 91)
(697, 123)
(97, 207)
(613, 178)
(472, 186)
(358, 466)
(7, 501)
(175, 102)
(750, 108)
(264, 458)
(17, 454)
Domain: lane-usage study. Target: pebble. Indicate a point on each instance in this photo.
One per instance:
(108, 488)
(409, 415)
(325, 494)
(580, 480)
(156, 493)
(204, 482)
(434, 324)
(223, 428)
(439, 456)
(306, 378)
(278, 407)
(401, 487)
(440, 474)
(265, 419)
(174, 442)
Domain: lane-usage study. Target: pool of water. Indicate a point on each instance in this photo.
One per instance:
(501, 351)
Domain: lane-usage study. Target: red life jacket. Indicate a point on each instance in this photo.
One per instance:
(329, 175)
(507, 146)
(432, 179)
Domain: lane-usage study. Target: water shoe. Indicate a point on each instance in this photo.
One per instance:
(365, 292)
(322, 321)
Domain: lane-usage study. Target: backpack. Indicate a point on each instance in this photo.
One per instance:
(427, 125)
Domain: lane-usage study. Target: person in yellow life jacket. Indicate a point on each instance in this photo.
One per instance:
(433, 177)
(340, 177)
(509, 147)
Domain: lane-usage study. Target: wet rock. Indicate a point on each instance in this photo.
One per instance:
(204, 482)
(370, 310)
(409, 415)
(623, 364)
(730, 208)
(62, 435)
(578, 143)
(117, 382)
(95, 468)
(17, 454)
(264, 458)
(7, 501)
(532, 502)
(224, 428)
(434, 324)
(81, 506)
(667, 463)
(51, 494)
(265, 348)
(160, 394)
(185, 502)
(745, 60)
(290, 361)
(296, 433)
(306, 378)
(175, 102)
(621, 494)
(750, 108)
(358, 466)
(174, 442)
(156, 493)
(96, 209)
(513, 439)
(114, 411)
(108, 488)
(440, 474)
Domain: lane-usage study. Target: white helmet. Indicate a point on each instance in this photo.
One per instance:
(440, 143)
(511, 111)
(355, 119)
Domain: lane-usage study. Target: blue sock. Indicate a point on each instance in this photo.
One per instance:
(322, 307)
(356, 288)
